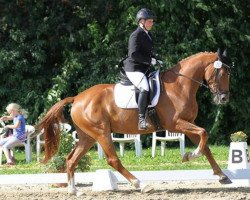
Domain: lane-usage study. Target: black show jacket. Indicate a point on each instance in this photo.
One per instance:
(140, 48)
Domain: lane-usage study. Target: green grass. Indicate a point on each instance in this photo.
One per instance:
(171, 161)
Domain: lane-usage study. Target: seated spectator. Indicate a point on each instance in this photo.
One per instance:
(7, 133)
(16, 113)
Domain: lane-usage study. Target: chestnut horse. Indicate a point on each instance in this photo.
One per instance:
(95, 114)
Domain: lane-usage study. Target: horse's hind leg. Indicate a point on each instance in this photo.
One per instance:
(112, 159)
(82, 147)
(217, 170)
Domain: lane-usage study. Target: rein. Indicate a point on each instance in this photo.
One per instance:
(200, 83)
(215, 73)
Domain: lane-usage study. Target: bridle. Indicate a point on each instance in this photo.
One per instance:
(214, 75)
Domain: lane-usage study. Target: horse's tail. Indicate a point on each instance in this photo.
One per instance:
(50, 125)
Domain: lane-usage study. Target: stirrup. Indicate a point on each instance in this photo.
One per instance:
(143, 125)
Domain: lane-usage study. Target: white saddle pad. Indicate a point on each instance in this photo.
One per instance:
(125, 95)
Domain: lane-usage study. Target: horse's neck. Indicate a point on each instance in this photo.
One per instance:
(191, 71)
(195, 66)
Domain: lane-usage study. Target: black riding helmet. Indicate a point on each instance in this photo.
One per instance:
(145, 13)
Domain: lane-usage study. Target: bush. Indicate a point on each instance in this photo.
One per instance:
(58, 162)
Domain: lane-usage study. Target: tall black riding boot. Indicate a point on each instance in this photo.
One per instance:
(142, 106)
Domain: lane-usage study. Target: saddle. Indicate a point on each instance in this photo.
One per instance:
(126, 94)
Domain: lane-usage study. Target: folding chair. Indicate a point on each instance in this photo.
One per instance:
(169, 136)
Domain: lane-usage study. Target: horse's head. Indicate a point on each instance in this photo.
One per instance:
(217, 77)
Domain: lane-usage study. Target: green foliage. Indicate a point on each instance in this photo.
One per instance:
(239, 136)
(53, 49)
(58, 162)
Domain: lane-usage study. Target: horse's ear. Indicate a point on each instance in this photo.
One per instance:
(219, 52)
(225, 53)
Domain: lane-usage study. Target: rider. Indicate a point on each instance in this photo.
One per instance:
(139, 60)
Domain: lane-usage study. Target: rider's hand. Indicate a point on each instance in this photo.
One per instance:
(153, 61)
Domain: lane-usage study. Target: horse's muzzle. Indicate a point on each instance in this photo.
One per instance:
(221, 97)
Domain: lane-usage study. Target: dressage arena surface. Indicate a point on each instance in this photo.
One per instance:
(172, 190)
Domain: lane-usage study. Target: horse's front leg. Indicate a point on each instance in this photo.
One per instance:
(199, 136)
(217, 170)
(113, 160)
(108, 147)
(192, 130)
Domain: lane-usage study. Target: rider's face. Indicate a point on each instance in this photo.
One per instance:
(148, 24)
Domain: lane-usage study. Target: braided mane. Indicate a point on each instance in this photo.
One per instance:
(185, 59)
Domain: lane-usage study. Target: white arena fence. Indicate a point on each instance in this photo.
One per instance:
(88, 177)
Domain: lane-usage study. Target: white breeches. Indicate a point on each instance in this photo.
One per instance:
(139, 79)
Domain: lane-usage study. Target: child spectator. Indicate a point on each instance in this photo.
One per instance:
(16, 113)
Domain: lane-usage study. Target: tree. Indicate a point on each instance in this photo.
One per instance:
(53, 49)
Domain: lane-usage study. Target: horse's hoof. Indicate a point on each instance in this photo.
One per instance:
(185, 157)
(135, 183)
(79, 194)
(72, 192)
(146, 188)
(225, 180)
